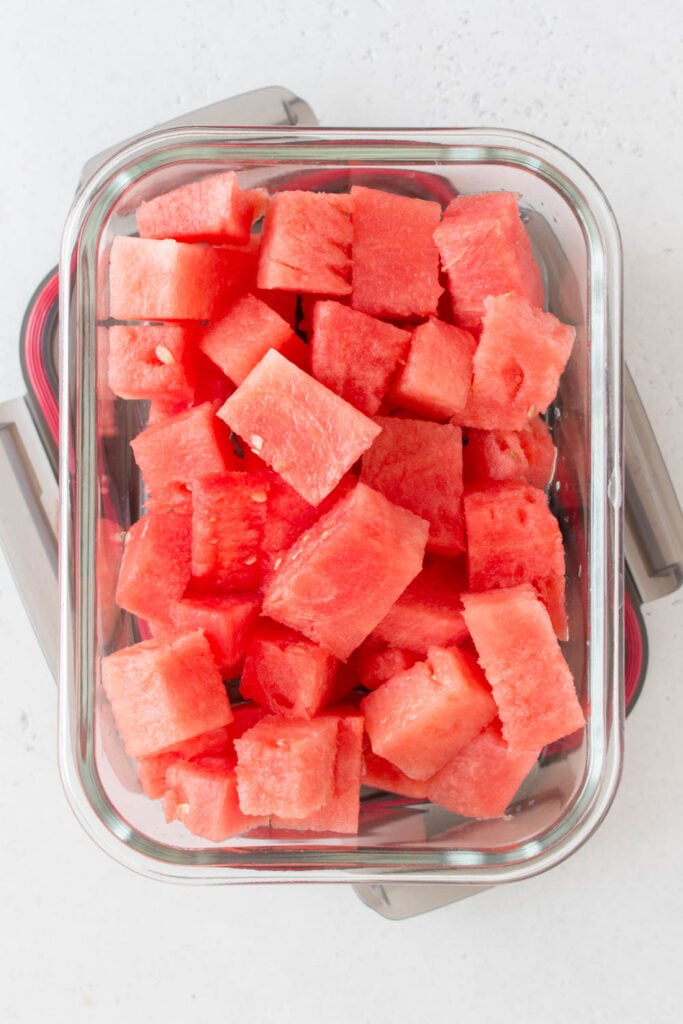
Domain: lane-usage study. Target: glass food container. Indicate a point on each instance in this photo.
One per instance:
(400, 843)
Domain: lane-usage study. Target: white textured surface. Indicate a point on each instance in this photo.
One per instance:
(598, 939)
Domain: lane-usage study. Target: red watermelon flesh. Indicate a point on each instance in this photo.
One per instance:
(418, 464)
(306, 244)
(486, 251)
(379, 773)
(238, 341)
(437, 375)
(539, 451)
(341, 811)
(286, 673)
(226, 620)
(300, 428)
(521, 355)
(152, 769)
(260, 200)
(285, 766)
(419, 719)
(164, 691)
(156, 565)
(203, 795)
(228, 516)
(429, 611)
(416, 625)
(483, 777)
(512, 538)
(152, 279)
(288, 515)
(441, 581)
(315, 553)
(355, 355)
(246, 715)
(151, 361)
(527, 454)
(283, 302)
(172, 453)
(395, 259)
(214, 209)
(374, 662)
(211, 384)
(531, 681)
(217, 743)
(342, 575)
(308, 302)
(161, 410)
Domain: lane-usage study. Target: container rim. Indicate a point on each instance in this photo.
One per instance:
(424, 146)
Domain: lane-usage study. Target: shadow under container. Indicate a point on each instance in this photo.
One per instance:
(576, 241)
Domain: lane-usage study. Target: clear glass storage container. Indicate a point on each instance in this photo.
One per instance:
(576, 242)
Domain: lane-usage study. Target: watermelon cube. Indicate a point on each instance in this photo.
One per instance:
(521, 355)
(286, 673)
(164, 691)
(173, 452)
(379, 773)
(285, 766)
(156, 565)
(355, 355)
(483, 777)
(532, 684)
(151, 361)
(152, 769)
(226, 620)
(341, 811)
(342, 575)
(228, 515)
(216, 743)
(415, 625)
(284, 303)
(420, 718)
(203, 795)
(418, 464)
(259, 199)
(485, 250)
(307, 302)
(238, 341)
(513, 537)
(288, 515)
(374, 662)
(539, 452)
(527, 454)
(160, 411)
(151, 279)
(214, 209)
(437, 375)
(209, 383)
(395, 259)
(306, 244)
(428, 613)
(300, 428)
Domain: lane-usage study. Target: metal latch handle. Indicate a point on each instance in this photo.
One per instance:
(29, 508)
(273, 106)
(653, 522)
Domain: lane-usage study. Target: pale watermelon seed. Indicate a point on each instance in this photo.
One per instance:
(164, 355)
